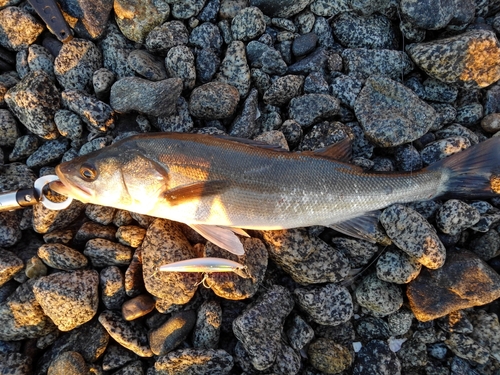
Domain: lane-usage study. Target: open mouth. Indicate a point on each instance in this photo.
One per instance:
(65, 187)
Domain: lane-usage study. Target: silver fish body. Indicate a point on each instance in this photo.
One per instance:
(208, 181)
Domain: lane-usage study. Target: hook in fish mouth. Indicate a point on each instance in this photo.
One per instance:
(64, 187)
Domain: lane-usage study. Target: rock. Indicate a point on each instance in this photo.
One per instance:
(59, 256)
(46, 220)
(69, 124)
(299, 333)
(329, 357)
(414, 235)
(373, 32)
(115, 50)
(376, 358)
(443, 148)
(246, 125)
(116, 356)
(128, 334)
(310, 108)
(262, 56)
(137, 19)
(207, 328)
(312, 63)
(281, 8)
(96, 114)
(130, 235)
(454, 216)
(103, 253)
(90, 230)
(111, 281)
(465, 347)
(380, 297)
(34, 102)
(307, 259)
(10, 264)
(329, 305)
(147, 65)
(207, 64)
(152, 98)
(91, 18)
(24, 147)
(283, 90)
(195, 361)
(76, 63)
(68, 363)
(485, 333)
(428, 15)
(47, 153)
(180, 64)
(138, 306)
(69, 299)
(203, 105)
(166, 36)
(18, 28)
(259, 327)
(315, 83)
(397, 267)
(206, 36)
(471, 58)
(183, 11)
(248, 24)
(435, 293)
(413, 353)
(172, 333)
(304, 44)
(234, 69)
(391, 114)
(15, 363)
(9, 131)
(491, 123)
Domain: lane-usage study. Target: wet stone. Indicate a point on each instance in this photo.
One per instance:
(374, 32)
(96, 114)
(304, 44)
(390, 113)
(376, 358)
(299, 333)
(207, 328)
(147, 65)
(130, 235)
(69, 299)
(248, 24)
(194, 361)
(138, 306)
(24, 147)
(307, 259)
(172, 333)
(62, 257)
(471, 58)
(18, 28)
(361, 63)
(10, 233)
(100, 214)
(151, 98)
(22, 317)
(68, 363)
(283, 90)
(10, 264)
(68, 124)
(397, 267)
(463, 281)
(116, 356)
(330, 304)
(310, 108)
(414, 235)
(76, 63)
(34, 102)
(111, 281)
(259, 327)
(128, 334)
(90, 230)
(246, 125)
(202, 105)
(380, 297)
(329, 357)
(102, 80)
(180, 64)
(442, 148)
(228, 284)
(103, 253)
(166, 36)
(165, 243)
(454, 216)
(48, 153)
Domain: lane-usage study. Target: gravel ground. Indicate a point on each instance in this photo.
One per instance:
(409, 82)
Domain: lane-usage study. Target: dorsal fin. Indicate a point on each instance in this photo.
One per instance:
(251, 142)
(340, 151)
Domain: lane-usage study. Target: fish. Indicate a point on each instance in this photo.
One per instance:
(221, 186)
(206, 265)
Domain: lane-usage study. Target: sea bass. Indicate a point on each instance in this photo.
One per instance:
(221, 185)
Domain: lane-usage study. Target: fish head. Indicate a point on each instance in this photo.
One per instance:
(116, 176)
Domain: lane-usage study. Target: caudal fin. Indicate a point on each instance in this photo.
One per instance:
(473, 173)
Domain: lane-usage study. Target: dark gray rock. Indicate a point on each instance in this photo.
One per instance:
(315, 83)
(172, 333)
(50, 152)
(18, 28)
(62, 257)
(39, 58)
(310, 108)
(469, 114)
(34, 101)
(10, 264)
(304, 44)
(151, 98)
(442, 148)
(429, 15)
(69, 124)
(457, 130)
(181, 121)
(24, 147)
(103, 252)
(10, 233)
(397, 267)
(68, 298)
(206, 35)
(184, 11)
(115, 50)
(346, 89)
(299, 333)
(207, 63)
(111, 281)
(209, 12)
(327, 8)
(454, 216)
(246, 125)
(116, 356)
(207, 328)
(438, 91)
(202, 102)
(195, 362)
(465, 347)
(249, 23)
(180, 64)
(166, 36)
(259, 327)
(283, 90)
(313, 62)
(370, 327)
(376, 358)
(90, 230)
(147, 65)
(268, 59)
(329, 357)
(436, 293)
(390, 113)
(15, 363)
(413, 353)
(102, 80)
(281, 8)
(380, 297)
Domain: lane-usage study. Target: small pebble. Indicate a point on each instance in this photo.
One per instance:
(138, 306)
(172, 333)
(103, 252)
(59, 256)
(207, 328)
(329, 357)
(380, 297)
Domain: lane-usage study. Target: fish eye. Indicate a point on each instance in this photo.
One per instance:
(88, 172)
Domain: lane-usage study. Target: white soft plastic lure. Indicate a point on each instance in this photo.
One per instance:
(207, 265)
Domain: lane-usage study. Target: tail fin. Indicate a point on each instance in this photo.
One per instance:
(473, 173)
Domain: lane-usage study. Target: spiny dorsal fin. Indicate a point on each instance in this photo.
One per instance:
(251, 142)
(340, 151)
(195, 190)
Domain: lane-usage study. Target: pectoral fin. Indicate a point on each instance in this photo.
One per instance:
(195, 190)
(363, 227)
(221, 236)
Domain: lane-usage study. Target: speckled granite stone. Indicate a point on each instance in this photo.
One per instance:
(18, 28)
(195, 362)
(59, 256)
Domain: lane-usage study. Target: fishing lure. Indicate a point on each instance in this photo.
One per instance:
(207, 265)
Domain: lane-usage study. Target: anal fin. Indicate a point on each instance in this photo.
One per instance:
(363, 227)
(223, 237)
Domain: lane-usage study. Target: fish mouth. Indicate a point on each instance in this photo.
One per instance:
(65, 187)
